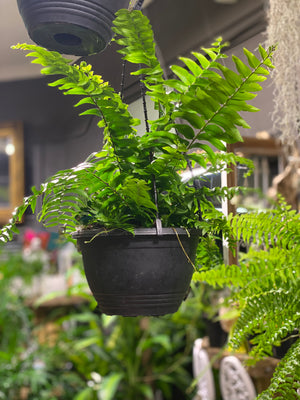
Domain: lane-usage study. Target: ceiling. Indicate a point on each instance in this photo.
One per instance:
(180, 26)
(13, 64)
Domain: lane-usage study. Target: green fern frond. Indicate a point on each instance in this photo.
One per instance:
(271, 316)
(285, 384)
(59, 203)
(205, 94)
(138, 45)
(284, 224)
(257, 271)
(212, 109)
(265, 288)
(202, 97)
(98, 97)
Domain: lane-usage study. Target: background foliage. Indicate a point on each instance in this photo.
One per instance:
(265, 287)
(93, 356)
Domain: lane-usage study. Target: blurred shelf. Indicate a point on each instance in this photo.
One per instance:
(58, 301)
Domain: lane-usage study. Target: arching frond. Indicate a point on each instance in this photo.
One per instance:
(265, 287)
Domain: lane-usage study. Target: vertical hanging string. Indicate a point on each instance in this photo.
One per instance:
(197, 186)
(157, 221)
(142, 89)
(122, 86)
(137, 6)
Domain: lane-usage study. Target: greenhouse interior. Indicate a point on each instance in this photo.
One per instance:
(150, 200)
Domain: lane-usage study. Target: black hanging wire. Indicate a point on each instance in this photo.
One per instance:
(142, 88)
(138, 5)
(122, 86)
(197, 186)
(143, 94)
(196, 182)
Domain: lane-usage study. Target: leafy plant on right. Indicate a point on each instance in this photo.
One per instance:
(266, 289)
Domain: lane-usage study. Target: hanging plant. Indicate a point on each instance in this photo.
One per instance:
(133, 184)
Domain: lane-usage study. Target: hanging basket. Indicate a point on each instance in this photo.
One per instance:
(80, 27)
(144, 274)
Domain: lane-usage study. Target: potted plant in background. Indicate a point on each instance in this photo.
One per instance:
(130, 192)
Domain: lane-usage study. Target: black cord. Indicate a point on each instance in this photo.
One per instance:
(138, 5)
(197, 186)
(122, 86)
(142, 87)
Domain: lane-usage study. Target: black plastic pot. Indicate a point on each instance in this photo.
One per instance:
(144, 274)
(79, 27)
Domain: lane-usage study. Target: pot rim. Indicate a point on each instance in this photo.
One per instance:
(88, 233)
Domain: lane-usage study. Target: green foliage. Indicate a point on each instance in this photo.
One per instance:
(15, 322)
(285, 382)
(132, 358)
(198, 108)
(266, 289)
(24, 362)
(94, 356)
(40, 372)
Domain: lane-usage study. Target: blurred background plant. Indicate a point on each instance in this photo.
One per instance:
(133, 358)
(28, 369)
(91, 356)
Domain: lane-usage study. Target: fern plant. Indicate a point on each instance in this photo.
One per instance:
(266, 289)
(133, 180)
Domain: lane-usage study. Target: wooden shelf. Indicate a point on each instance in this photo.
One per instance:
(59, 301)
